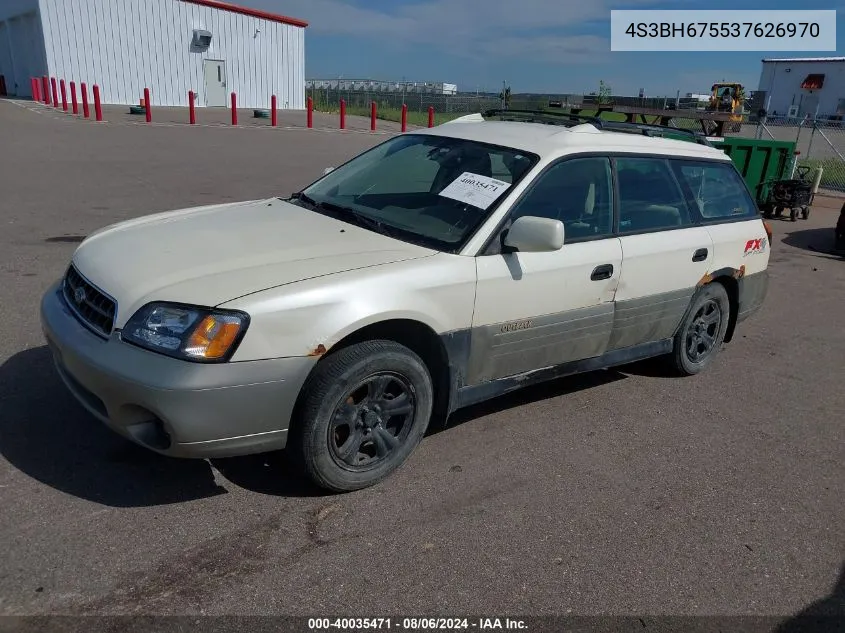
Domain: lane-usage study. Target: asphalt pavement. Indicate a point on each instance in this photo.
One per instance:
(620, 492)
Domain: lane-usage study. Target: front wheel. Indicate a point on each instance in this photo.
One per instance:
(363, 412)
(700, 336)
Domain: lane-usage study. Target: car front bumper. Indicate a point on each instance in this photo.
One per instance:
(170, 406)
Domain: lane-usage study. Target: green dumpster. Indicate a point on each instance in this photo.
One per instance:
(759, 160)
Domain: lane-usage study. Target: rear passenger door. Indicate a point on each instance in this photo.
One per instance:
(665, 252)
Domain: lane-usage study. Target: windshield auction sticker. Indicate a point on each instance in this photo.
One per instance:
(479, 191)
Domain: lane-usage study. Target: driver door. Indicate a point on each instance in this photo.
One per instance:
(539, 309)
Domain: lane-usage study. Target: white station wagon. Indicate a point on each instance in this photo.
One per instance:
(441, 268)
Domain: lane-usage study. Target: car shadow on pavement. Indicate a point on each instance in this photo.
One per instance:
(823, 616)
(819, 241)
(48, 436)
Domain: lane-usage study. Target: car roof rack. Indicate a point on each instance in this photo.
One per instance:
(544, 116)
(568, 118)
(653, 129)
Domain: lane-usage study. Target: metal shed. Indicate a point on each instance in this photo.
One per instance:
(169, 46)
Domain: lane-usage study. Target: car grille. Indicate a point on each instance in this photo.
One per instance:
(94, 308)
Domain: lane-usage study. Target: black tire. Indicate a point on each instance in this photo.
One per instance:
(793, 215)
(700, 331)
(805, 212)
(337, 424)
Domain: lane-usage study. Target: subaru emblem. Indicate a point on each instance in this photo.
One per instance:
(79, 295)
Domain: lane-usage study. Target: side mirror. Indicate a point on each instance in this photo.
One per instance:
(530, 234)
(328, 170)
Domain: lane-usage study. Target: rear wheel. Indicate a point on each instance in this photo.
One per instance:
(702, 333)
(363, 412)
(793, 214)
(805, 212)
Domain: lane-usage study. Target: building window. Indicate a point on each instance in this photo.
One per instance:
(813, 82)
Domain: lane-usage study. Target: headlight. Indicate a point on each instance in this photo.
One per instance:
(189, 332)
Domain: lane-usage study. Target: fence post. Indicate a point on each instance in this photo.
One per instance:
(55, 92)
(430, 116)
(342, 114)
(310, 112)
(192, 108)
(404, 117)
(36, 94)
(148, 107)
(810, 145)
(234, 109)
(64, 94)
(373, 115)
(274, 120)
(86, 112)
(74, 102)
(45, 86)
(98, 106)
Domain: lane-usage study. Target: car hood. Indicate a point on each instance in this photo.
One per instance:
(213, 254)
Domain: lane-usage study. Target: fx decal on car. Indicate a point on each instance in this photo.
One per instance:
(755, 246)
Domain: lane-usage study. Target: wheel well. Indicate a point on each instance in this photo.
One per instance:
(732, 288)
(420, 339)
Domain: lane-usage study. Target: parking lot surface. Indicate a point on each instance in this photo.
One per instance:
(619, 492)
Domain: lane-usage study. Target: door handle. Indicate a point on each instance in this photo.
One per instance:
(700, 255)
(604, 271)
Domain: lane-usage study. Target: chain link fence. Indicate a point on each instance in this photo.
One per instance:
(820, 143)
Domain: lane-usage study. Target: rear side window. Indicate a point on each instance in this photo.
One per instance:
(649, 197)
(717, 188)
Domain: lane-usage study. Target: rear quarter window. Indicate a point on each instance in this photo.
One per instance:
(716, 188)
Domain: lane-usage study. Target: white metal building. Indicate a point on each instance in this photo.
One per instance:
(803, 86)
(169, 46)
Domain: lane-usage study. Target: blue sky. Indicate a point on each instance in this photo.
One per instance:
(559, 46)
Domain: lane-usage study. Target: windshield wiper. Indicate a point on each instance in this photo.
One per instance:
(345, 212)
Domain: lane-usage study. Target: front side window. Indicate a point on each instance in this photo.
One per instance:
(717, 189)
(427, 189)
(649, 196)
(575, 191)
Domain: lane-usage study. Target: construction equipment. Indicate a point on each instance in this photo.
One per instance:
(728, 97)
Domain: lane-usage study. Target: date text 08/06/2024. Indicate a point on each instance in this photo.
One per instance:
(415, 624)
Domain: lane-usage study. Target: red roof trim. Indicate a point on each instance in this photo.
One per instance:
(264, 15)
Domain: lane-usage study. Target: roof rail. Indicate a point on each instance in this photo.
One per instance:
(653, 129)
(544, 116)
(568, 118)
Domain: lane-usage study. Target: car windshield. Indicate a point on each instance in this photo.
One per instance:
(426, 189)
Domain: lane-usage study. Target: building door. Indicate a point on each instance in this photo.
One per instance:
(215, 82)
(809, 105)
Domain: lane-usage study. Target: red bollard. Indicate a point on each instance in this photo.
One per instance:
(36, 95)
(73, 101)
(148, 107)
(274, 121)
(192, 108)
(234, 109)
(45, 86)
(64, 94)
(431, 116)
(55, 92)
(2, 85)
(98, 107)
(404, 117)
(310, 112)
(342, 114)
(373, 114)
(84, 90)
